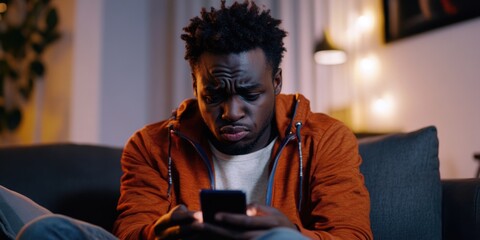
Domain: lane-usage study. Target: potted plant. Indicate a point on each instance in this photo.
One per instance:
(27, 28)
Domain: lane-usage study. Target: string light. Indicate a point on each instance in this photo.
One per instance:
(368, 67)
(383, 107)
(365, 22)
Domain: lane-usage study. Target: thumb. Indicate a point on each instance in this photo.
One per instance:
(255, 209)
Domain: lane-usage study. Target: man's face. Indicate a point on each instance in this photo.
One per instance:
(236, 97)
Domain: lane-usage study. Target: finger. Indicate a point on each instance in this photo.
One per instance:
(277, 218)
(198, 216)
(251, 209)
(260, 210)
(179, 215)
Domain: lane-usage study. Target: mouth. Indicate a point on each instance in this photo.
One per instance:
(233, 133)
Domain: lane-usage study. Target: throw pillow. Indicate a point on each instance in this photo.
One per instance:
(402, 175)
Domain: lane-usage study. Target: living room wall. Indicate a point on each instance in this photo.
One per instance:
(435, 78)
(429, 78)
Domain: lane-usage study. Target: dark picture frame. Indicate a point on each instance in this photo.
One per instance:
(404, 18)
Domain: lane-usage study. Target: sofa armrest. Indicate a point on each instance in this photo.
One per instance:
(461, 208)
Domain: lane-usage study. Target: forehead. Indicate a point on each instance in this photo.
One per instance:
(234, 65)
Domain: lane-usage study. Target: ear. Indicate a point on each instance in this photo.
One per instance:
(277, 82)
(194, 84)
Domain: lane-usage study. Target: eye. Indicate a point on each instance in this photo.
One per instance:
(251, 96)
(212, 99)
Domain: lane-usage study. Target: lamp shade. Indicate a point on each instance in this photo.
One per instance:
(327, 53)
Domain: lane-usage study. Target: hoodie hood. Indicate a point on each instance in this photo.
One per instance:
(295, 105)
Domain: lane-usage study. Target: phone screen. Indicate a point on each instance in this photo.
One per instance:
(214, 201)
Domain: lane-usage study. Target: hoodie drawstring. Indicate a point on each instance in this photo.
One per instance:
(170, 181)
(298, 125)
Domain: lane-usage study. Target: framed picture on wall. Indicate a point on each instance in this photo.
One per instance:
(404, 18)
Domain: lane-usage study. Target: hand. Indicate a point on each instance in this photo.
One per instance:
(259, 219)
(178, 223)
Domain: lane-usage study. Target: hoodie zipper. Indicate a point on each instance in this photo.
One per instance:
(269, 196)
(203, 156)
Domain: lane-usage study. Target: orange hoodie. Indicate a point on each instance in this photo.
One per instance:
(335, 202)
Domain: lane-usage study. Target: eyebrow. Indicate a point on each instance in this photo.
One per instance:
(242, 88)
(249, 86)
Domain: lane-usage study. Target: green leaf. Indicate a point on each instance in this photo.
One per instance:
(37, 68)
(38, 48)
(13, 74)
(6, 70)
(14, 42)
(14, 118)
(52, 19)
(26, 91)
(51, 37)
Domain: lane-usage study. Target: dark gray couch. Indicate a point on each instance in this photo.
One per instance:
(81, 181)
(408, 199)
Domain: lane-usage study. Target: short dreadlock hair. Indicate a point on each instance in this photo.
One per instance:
(235, 29)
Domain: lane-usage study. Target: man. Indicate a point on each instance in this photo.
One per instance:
(298, 168)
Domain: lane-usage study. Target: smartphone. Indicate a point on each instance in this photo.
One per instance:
(214, 201)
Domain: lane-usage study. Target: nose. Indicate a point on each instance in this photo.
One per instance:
(233, 110)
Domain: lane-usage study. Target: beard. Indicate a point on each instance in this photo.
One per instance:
(240, 148)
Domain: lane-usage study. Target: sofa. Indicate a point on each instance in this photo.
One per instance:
(408, 198)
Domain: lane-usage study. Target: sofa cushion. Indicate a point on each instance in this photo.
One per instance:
(402, 175)
(77, 180)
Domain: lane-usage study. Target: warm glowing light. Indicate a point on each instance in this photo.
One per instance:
(368, 66)
(330, 57)
(383, 107)
(365, 22)
(3, 7)
(381, 115)
(380, 106)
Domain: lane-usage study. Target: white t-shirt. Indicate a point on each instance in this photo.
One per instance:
(248, 172)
